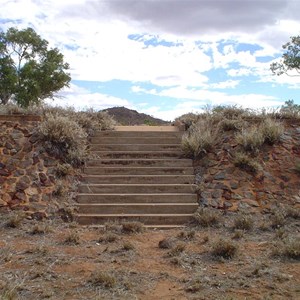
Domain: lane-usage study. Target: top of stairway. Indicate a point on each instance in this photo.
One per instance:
(148, 128)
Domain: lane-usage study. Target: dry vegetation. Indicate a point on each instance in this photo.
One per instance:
(56, 260)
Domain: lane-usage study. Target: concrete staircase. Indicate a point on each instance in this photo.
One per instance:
(138, 174)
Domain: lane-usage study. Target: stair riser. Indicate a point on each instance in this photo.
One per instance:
(139, 163)
(139, 155)
(138, 171)
(142, 198)
(135, 134)
(147, 220)
(131, 140)
(135, 147)
(137, 209)
(135, 189)
(139, 179)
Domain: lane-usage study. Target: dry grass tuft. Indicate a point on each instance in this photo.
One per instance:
(15, 219)
(244, 222)
(224, 248)
(207, 217)
(177, 249)
(108, 238)
(166, 243)
(199, 139)
(271, 130)
(250, 139)
(104, 279)
(246, 163)
(73, 238)
(289, 248)
(132, 227)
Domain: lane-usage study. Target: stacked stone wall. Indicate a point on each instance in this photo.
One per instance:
(27, 172)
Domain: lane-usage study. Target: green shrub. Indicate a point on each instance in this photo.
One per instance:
(245, 162)
(199, 139)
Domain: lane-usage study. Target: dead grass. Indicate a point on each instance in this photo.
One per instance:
(104, 279)
(177, 249)
(132, 227)
(271, 130)
(206, 217)
(199, 139)
(243, 222)
(250, 139)
(166, 243)
(224, 248)
(73, 238)
(108, 238)
(288, 248)
(15, 219)
(246, 163)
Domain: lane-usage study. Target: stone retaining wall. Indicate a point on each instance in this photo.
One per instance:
(27, 172)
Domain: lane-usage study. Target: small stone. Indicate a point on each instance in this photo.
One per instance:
(23, 183)
(234, 185)
(2, 166)
(43, 177)
(216, 194)
(227, 194)
(34, 138)
(251, 202)
(220, 176)
(21, 196)
(39, 216)
(4, 173)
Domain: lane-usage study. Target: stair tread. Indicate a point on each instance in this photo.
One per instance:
(140, 204)
(135, 215)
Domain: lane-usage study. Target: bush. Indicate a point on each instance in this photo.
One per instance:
(250, 139)
(231, 125)
(63, 138)
(206, 217)
(199, 139)
(290, 248)
(271, 131)
(132, 227)
(187, 119)
(72, 238)
(103, 279)
(245, 162)
(231, 111)
(224, 249)
(243, 222)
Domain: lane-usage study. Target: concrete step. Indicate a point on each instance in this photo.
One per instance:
(147, 219)
(145, 128)
(140, 162)
(136, 179)
(136, 134)
(135, 188)
(135, 140)
(138, 170)
(138, 208)
(137, 198)
(135, 147)
(138, 154)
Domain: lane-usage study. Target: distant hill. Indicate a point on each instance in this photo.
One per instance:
(125, 116)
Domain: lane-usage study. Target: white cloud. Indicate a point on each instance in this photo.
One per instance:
(80, 98)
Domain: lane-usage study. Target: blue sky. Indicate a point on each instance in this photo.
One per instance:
(165, 57)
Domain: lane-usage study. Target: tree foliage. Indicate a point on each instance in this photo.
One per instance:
(290, 59)
(29, 71)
